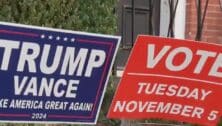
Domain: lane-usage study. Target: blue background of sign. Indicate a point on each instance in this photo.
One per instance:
(90, 89)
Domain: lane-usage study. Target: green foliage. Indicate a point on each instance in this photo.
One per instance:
(220, 124)
(83, 15)
(106, 104)
(80, 15)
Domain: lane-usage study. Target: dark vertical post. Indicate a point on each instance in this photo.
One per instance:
(171, 15)
(200, 18)
(173, 8)
(133, 21)
(199, 15)
(151, 17)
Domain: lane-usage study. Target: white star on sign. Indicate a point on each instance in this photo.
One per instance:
(65, 39)
(42, 36)
(57, 38)
(72, 40)
(50, 37)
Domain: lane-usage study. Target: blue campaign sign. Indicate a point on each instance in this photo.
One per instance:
(52, 75)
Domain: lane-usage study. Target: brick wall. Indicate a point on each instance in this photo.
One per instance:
(212, 31)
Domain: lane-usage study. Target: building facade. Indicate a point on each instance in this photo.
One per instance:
(153, 17)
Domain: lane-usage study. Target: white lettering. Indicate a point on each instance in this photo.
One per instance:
(8, 45)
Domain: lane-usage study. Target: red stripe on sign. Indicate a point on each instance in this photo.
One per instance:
(14, 115)
(19, 33)
(67, 116)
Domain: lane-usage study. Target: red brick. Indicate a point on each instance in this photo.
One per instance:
(214, 14)
(214, 33)
(216, 2)
(214, 20)
(212, 29)
(213, 40)
(214, 8)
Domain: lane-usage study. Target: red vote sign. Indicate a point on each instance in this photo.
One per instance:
(171, 79)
